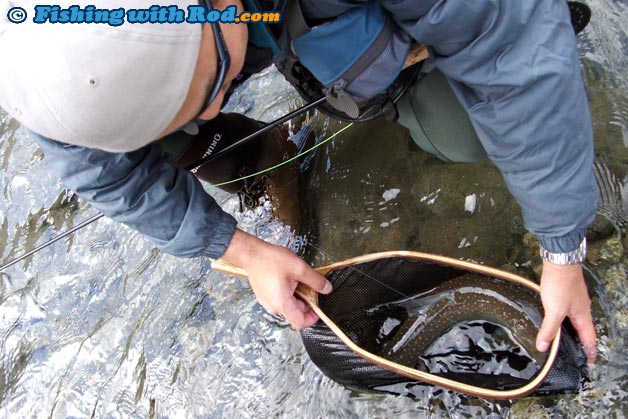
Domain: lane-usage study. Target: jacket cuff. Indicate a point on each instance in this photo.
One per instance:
(223, 230)
(563, 244)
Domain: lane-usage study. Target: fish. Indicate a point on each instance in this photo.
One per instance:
(469, 297)
(394, 312)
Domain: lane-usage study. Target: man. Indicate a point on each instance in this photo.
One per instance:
(133, 181)
(110, 92)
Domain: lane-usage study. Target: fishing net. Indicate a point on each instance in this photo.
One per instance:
(467, 326)
(580, 15)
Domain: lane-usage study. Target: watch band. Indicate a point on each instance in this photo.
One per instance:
(575, 256)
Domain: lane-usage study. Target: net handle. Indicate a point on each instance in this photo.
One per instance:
(310, 297)
(417, 53)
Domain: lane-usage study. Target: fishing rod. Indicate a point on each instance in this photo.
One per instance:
(196, 164)
(255, 134)
(53, 240)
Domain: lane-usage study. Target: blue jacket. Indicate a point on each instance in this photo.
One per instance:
(515, 68)
(146, 191)
(513, 65)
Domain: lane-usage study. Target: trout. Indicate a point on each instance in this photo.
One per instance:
(465, 298)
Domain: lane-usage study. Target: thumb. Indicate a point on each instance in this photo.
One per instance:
(315, 281)
(547, 332)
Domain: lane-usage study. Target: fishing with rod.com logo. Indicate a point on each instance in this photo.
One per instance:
(154, 14)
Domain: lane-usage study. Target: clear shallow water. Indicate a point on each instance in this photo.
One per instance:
(103, 325)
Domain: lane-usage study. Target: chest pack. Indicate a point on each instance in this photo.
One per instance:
(353, 54)
(356, 59)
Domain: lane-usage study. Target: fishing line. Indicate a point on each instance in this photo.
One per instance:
(332, 344)
(331, 137)
(255, 134)
(354, 269)
(285, 118)
(247, 138)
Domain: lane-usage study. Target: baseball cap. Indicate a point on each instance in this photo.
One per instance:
(114, 88)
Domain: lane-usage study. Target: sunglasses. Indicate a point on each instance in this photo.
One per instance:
(224, 61)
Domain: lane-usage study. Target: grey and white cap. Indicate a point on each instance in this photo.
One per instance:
(114, 88)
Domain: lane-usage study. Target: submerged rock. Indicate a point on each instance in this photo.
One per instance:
(528, 408)
(621, 317)
(612, 250)
(600, 229)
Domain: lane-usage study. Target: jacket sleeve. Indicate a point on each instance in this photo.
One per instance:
(515, 68)
(146, 191)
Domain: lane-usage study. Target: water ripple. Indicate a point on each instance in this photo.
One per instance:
(104, 325)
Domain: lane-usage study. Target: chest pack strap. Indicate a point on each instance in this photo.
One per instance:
(295, 21)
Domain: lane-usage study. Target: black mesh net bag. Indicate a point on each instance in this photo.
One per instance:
(467, 325)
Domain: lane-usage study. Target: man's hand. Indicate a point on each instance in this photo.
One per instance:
(564, 294)
(274, 273)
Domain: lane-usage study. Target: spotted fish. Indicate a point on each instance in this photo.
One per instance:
(465, 298)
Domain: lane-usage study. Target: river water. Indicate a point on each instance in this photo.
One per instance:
(103, 325)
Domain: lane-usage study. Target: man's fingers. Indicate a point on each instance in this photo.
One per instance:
(311, 318)
(314, 280)
(583, 325)
(301, 306)
(564, 293)
(298, 314)
(586, 333)
(549, 328)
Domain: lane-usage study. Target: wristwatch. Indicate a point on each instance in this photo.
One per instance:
(575, 256)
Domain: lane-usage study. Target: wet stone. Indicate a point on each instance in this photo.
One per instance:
(538, 269)
(530, 240)
(625, 244)
(612, 250)
(525, 270)
(621, 318)
(528, 254)
(615, 280)
(529, 409)
(600, 229)
(593, 252)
